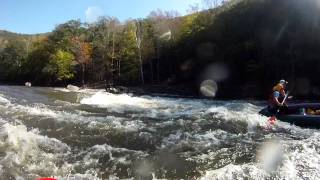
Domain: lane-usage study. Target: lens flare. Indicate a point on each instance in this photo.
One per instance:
(217, 72)
(209, 88)
(270, 155)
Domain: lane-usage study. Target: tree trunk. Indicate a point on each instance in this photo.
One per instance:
(151, 69)
(158, 63)
(112, 59)
(138, 42)
(83, 68)
(141, 67)
(119, 66)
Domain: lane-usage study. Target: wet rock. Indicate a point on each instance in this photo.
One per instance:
(28, 84)
(73, 88)
(180, 122)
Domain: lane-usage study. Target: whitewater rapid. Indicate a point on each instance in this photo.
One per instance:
(92, 134)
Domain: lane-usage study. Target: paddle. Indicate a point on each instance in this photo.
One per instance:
(273, 118)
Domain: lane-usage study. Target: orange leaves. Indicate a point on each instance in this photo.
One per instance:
(86, 50)
(82, 50)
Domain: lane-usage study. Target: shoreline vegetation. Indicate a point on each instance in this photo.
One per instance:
(162, 91)
(237, 50)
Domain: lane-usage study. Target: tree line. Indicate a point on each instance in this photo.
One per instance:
(121, 53)
(244, 46)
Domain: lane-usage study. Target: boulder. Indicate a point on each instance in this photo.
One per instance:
(73, 88)
(28, 84)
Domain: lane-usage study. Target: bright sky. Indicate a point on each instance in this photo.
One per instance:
(38, 16)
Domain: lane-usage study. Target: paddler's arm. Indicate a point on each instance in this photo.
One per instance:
(277, 101)
(275, 97)
(283, 92)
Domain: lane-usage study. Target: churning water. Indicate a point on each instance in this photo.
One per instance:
(91, 134)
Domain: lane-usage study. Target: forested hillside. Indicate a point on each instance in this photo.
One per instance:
(6, 37)
(243, 46)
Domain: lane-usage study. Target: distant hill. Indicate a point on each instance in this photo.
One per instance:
(7, 36)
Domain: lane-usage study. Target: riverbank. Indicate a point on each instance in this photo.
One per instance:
(249, 91)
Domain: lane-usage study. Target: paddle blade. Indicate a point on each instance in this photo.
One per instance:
(272, 120)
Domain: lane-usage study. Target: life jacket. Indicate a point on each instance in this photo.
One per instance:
(271, 101)
(279, 87)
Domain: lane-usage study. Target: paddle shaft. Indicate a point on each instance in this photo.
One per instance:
(284, 100)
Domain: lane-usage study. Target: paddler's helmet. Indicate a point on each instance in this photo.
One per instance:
(284, 82)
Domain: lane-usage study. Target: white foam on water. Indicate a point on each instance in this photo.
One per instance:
(84, 91)
(117, 155)
(208, 144)
(132, 126)
(302, 158)
(270, 155)
(244, 112)
(112, 122)
(281, 159)
(32, 109)
(200, 142)
(75, 117)
(4, 100)
(118, 103)
(62, 89)
(113, 156)
(154, 107)
(87, 176)
(39, 110)
(26, 152)
(231, 171)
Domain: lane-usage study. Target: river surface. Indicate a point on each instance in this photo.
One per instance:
(91, 134)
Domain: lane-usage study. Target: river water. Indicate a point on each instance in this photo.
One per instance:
(91, 134)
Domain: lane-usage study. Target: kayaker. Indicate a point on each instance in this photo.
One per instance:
(277, 96)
